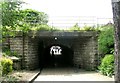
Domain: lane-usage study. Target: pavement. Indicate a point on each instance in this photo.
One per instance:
(71, 74)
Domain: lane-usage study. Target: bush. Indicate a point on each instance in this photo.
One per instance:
(6, 66)
(107, 65)
(106, 39)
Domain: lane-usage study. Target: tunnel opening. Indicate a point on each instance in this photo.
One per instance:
(56, 56)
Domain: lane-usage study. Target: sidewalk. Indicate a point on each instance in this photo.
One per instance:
(69, 74)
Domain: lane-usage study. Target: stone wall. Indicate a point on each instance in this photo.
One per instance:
(31, 57)
(85, 53)
(84, 45)
(16, 44)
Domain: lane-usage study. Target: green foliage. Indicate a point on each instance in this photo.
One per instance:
(41, 27)
(23, 27)
(106, 39)
(10, 16)
(34, 17)
(6, 66)
(6, 52)
(8, 31)
(75, 27)
(107, 65)
(9, 53)
(88, 28)
(10, 12)
(14, 19)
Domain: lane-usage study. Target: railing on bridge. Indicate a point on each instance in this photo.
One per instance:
(69, 21)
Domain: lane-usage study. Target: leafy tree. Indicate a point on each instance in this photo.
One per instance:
(10, 12)
(11, 17)
(34, 17)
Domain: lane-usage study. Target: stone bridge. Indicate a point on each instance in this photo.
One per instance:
(80, 49)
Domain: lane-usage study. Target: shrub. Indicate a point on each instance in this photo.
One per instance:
(107, 65)
(106, 39)
(6, 66)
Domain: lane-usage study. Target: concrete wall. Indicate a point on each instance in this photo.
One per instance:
(84, 45)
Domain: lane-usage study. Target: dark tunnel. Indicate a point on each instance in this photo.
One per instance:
(59, 56)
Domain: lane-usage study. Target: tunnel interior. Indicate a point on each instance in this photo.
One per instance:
(56, 55)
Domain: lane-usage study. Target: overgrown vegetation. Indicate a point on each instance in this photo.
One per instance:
(76, 27)
(107, 65)
(106, 49)
(6, 66)
(106, 39)
(8, 53)
(34, 17)
(14, 19)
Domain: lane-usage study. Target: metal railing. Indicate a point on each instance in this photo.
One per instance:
(69, 21)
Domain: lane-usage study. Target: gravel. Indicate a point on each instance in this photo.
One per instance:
(25, 75)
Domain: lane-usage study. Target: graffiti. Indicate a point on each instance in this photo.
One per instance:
(56, 50)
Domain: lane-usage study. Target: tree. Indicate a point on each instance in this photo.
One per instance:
(34, 17)
(10, 17)
(10, 12)
(116, 18)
